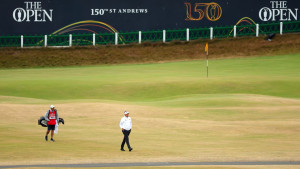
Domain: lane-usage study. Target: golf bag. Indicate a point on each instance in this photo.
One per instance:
(44, 123)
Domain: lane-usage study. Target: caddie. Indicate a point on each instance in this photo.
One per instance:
(52, 117)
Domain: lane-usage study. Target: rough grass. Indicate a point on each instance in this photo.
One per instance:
(148, 52)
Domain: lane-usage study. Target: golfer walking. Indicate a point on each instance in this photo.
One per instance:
(52, 117)
(126, 125)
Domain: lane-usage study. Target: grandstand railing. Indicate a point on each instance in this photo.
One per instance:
(67, 40)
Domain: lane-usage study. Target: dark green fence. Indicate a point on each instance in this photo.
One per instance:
(105, 39)
(270, 28)
(148, 36)
(82, 39)
(180, 35)
(222, 32)
(201, 33)
(128, 37)
(153, 36)
(291, 27)
(10, 41)
(246, 30)
(58, 40)
(33, 40)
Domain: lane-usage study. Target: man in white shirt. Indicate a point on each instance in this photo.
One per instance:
(126, 125)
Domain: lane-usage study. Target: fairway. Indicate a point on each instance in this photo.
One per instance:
(248, 109)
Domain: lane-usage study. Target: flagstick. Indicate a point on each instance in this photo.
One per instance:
(207, 62)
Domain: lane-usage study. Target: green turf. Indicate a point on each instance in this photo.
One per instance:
(179, 114)
(272, 75)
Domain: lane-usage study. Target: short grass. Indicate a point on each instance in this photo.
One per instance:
(246, 110)
(273, 76)
(188, 167)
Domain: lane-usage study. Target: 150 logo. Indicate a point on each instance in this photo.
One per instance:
(33, 11)
(279, 10)
(212, 11)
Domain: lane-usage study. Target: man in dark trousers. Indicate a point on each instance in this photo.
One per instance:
(52, 117)
(126, 125)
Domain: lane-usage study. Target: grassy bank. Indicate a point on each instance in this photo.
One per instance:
(148, 52)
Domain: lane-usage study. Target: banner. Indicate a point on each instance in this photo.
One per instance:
(89, 16)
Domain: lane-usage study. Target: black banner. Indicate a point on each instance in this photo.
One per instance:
(70, 16)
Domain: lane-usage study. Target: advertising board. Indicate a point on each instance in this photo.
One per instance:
(89, 16)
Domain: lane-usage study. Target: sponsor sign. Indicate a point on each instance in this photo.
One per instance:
(278, 11)
(89, 16)
(33, 12)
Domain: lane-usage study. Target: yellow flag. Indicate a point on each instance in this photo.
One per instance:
(206, 47)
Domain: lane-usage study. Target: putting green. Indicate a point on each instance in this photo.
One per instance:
(275, 76)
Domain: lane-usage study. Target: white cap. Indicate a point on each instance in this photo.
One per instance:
(126, 112)
(52, 106)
